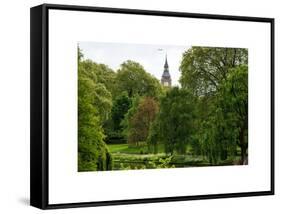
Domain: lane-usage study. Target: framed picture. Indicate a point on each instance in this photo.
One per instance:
(135, 106)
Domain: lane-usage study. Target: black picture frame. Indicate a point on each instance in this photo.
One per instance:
(39, 151)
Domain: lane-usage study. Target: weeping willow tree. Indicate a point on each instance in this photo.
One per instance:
(174, 124)
(219, 79)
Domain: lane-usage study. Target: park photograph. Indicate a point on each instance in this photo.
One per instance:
(150, 106)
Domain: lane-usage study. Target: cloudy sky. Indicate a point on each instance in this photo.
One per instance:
(152, 57)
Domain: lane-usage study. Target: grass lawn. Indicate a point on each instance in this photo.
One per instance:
(115, 148)
(126, 149)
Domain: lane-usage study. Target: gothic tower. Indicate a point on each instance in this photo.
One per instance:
(166, 78)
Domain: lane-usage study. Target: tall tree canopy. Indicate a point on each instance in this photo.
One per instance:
(176, 120)
(203, 68)
(140, 121)
(92, 151)
(233, 99)
(101, 95)
(219, 78)
(132, 78)
(102, 74)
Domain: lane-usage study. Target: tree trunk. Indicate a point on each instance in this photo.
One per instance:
(243, 146)
(243, 155)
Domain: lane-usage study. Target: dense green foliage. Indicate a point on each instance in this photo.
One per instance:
(102, 74)
(93, 153)
(128, 120)
(175, 120)
(139, 120)
(120, 107)
(203, 69)
(219, 78)
(133, 79)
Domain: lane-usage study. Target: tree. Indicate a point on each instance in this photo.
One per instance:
(133, 79)
(233, 97)
(153, 139)
(102, 74)
(141, 120)
(176, 120)
(121, 105)
(126, 122)
(93, 153)
(227, 123)
(102, 98)
(203, 68)
(218, 77)
(79, 54)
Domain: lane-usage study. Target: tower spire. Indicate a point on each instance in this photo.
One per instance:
(166, 78)
(166, 62)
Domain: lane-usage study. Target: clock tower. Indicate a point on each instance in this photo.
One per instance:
(166, 78)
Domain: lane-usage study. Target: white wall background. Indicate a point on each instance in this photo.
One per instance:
(14, 107)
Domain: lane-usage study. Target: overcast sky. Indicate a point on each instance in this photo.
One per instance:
(151, 57)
